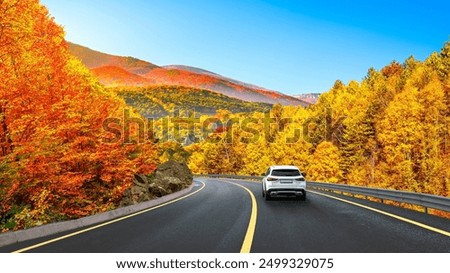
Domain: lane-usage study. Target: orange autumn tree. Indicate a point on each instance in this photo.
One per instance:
(55, 158)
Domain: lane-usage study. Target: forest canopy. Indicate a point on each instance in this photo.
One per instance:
(390, 130)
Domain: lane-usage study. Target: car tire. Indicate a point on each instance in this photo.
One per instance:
(303, 197)
(267, 195)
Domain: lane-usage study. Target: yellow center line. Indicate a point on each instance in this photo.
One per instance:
(443, 232)
(248, 239)
(109, 222)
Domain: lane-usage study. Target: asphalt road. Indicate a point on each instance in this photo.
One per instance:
(221, 217)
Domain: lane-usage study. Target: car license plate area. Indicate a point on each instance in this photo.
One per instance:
(286, 181)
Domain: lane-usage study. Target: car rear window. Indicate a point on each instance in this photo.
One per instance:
(285, 172)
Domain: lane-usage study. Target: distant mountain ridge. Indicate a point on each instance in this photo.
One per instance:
(116, 71)
(203, 71)
(308, 97)
(95, 59)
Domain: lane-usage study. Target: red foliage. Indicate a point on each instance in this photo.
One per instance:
(51, 117)
(180, 77)
(116, 76)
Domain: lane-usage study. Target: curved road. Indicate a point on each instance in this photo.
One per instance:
(220, 216)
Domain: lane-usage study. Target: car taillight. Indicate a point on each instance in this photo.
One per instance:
(300, 179)
(271, 179)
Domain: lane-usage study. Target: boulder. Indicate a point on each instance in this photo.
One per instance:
(169, 177)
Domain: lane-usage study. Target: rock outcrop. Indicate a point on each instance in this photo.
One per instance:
(169, 177)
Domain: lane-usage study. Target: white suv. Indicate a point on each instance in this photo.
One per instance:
(283, 181)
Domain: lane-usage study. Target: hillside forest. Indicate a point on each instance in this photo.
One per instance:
(58, 159)
(391, 130)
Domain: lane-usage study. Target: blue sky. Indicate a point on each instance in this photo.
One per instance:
(289, 46)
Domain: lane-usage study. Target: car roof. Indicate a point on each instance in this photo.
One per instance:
(289, 167)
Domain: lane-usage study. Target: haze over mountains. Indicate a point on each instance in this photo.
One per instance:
(308, 97)
(114, 71)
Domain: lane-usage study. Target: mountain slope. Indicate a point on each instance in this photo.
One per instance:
(94, 59)
(206, 72)
(175, 76)
(115, 76)
(161, 101)
(148, 74)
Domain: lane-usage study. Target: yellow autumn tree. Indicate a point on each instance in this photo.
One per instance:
(324, 164)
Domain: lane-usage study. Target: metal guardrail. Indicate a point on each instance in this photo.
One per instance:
(232, 176)
(425, 200)
(420, 199)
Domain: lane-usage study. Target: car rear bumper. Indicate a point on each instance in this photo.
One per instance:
(286, 192)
